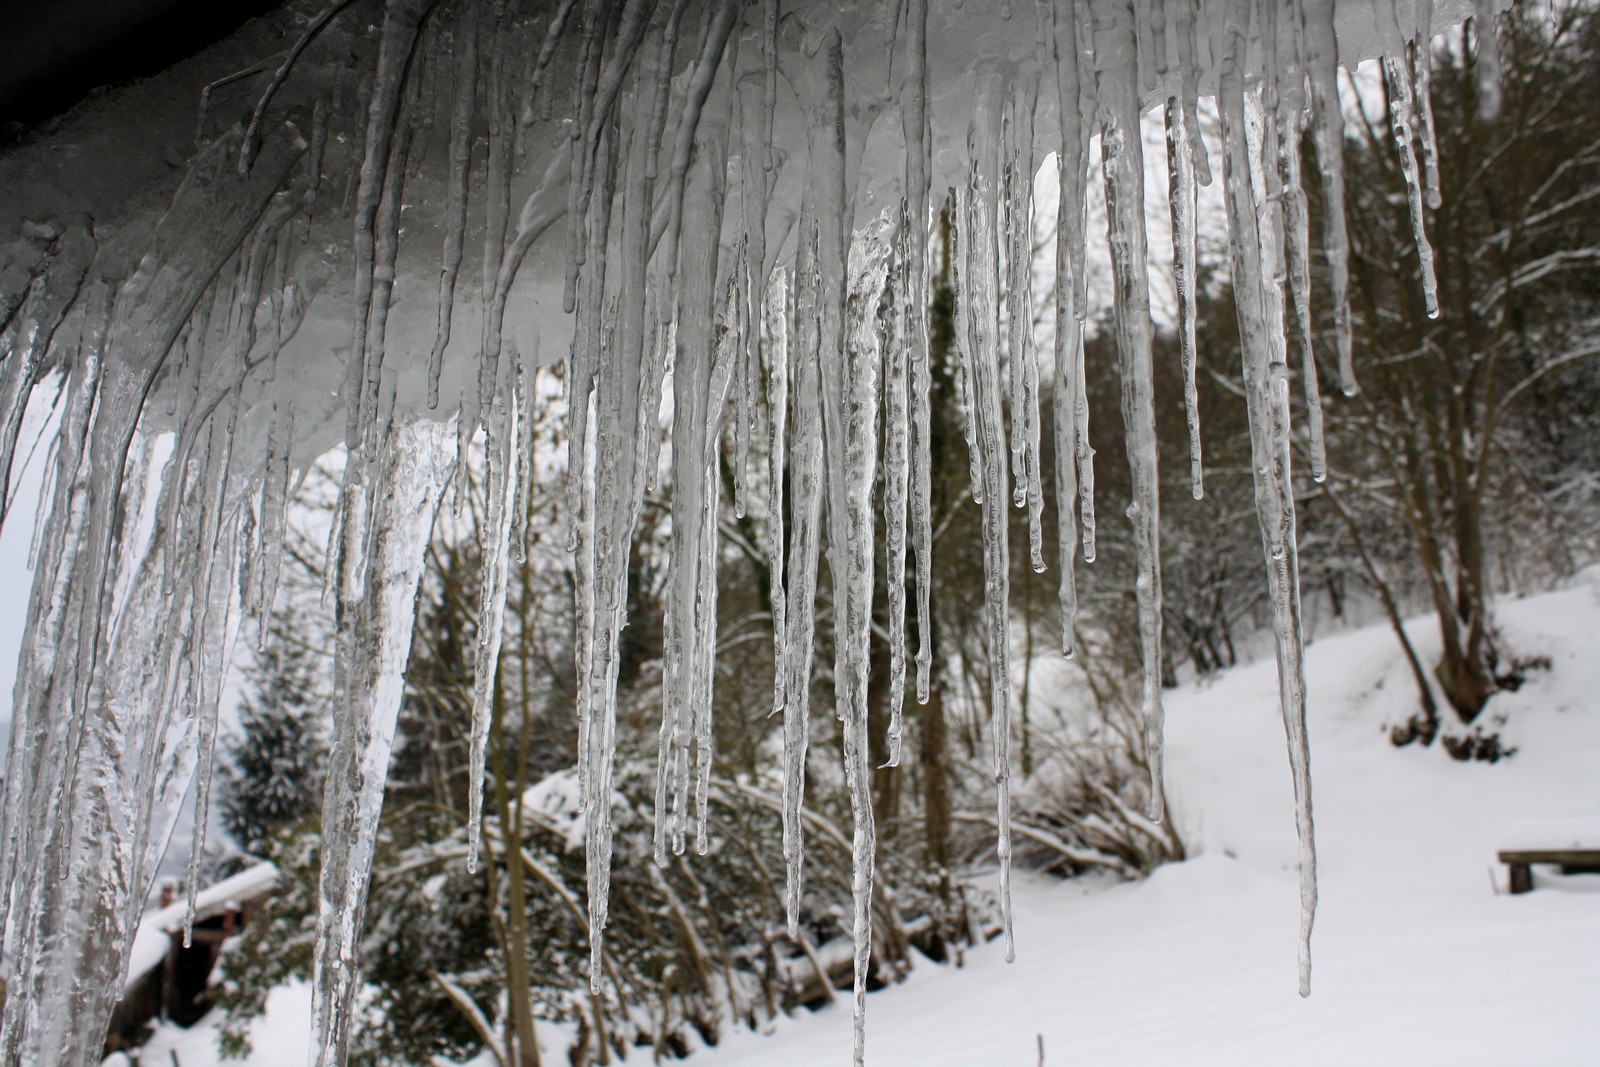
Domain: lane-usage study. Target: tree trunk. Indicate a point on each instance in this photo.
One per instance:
(936, 784)
(523, 1050)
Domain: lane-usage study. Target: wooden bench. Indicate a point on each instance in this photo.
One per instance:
(1570, 860)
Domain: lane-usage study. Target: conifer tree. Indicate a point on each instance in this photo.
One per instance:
(271, 779)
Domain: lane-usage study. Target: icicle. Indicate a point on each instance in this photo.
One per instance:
(1019, 311)
(962, 313)
(461, 118)
(1123, 162)
(1189, 76)
(527, 387)
(25, 340)
(742, 398)
(1068, 387)
(40, 723)
(209, 661)
(1297, 233)
(503, 437)
(407, 478)
(690, 627)
(586, 474)
(1076, 90)
(776, 326)
(1422, 80)
(1184, 205)
(1402, 116)
(401, 20)
(621, 328)
(976, 204)
(65, 790)
(1073, 457)
(723, 369)
(1488, 47)
(1322, 65)
(850, 424)
(500, 260)
(896, 474)
(805, 510)
(918, 165)
(1268, 408)
(274, 519)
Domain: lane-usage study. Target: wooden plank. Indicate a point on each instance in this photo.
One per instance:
(1570, 857)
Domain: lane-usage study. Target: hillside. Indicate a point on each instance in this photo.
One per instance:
(1420, 956)
(1417, 958)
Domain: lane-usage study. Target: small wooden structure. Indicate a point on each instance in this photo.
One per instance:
(1570, 860)
(166, 978)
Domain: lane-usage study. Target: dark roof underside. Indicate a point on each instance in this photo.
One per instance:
(54, 52)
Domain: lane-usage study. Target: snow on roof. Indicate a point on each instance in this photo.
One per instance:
(156, 927)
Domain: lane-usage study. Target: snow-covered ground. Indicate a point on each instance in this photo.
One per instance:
(1420, 955)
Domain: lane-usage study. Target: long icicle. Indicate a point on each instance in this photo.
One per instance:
(1071, 167)
(1297, 234)
(805, 513)
(1183, 199)
(1269, 438)
(1122, 159)
(1024, 366)
(377, 606)
(914, 128)
(1327, 119)
(896, 477)
(977, 208)
(1402, 116)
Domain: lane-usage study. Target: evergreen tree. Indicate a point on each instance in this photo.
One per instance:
(271, 778)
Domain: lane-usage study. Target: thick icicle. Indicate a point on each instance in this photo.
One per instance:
(1069, 403)
(977, 210)
(1024, 367)
(1297, 235)
(74, 737)
(805, 513)
(723, 369)
(695, 196)
(503, 437)
(848, 392)
(850, 558)
(1123, 161)
(896, 477)
(914, 129)
(378, 591)
(626, 403)
(1267, 395)
(1327, 118)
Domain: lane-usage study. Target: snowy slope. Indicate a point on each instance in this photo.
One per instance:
(1418, 959)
